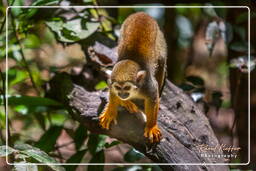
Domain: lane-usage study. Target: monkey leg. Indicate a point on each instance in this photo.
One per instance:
(130, 106)
(161, 74)
(151, 130)
(110, 112)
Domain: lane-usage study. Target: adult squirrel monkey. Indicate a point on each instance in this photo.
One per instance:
(139, 72)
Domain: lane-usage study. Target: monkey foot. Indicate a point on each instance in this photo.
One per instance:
(130, 106)
(106, 119)
(153, 133)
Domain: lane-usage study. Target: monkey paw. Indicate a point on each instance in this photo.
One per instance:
(153, 133)
(106, 119)
(130, 106)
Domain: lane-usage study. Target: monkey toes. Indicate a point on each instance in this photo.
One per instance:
(106, 119)
(154, 134)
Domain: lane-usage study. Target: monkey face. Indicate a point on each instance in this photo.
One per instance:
(124, 90)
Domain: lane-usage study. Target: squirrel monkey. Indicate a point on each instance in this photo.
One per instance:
(139, 72)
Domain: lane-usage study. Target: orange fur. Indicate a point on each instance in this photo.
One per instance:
(141, 47)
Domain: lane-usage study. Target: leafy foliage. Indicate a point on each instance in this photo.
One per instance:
(35, 33)
(25, 153)
(133, 155)
(74, 30)
(46, 116)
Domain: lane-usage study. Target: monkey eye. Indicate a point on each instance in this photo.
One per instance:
(117, 87)
(127, 88)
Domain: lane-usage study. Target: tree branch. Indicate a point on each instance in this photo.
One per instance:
(183, 125)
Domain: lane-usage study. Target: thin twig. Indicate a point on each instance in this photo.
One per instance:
(236, 103)
(64, 145)
(23, 56)
(59, 154)
(4, 99)
(3, 89)
(2, 26)
(49, 118)
(10, 158)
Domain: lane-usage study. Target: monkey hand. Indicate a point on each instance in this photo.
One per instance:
(153, 133)
(107, 116)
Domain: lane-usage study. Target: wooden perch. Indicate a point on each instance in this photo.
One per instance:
(183, 125)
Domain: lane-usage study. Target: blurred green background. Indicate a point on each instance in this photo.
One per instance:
(207, 58)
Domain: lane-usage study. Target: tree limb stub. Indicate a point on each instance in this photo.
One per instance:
(183, 125)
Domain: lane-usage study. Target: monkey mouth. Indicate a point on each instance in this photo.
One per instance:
(123, 95)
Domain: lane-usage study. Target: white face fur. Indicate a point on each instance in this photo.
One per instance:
(125, 90)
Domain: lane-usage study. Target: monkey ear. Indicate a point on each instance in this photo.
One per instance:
(140, 76)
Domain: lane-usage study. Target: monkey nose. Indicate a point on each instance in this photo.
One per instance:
(123, 95)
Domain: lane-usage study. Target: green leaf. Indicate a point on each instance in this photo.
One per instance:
(127, 168)
(195, 80)
(101, 85)
(210, 11)
(21, 109)
(44, 2)
(39, 155)
(23, 146)
(76, 158)
(69, 34)
(199, 90)
(73, 30)
(240, 32)
(239, 46)
(96, 143)
(58, 117)
(3, 151)
(17, 11)
(16, 76)
(2, 119)
(24, 167)
(40, 119)
(48, 140)
(133, 155)
(113, 143)
(30, 12)
(32, 101)
(243, 17)
(87, 1)
(23, 157)
(154, 168)
(99, 157)
(32, 41)
(42, 157)
(186, 87)
(80, 136)
(32, 110)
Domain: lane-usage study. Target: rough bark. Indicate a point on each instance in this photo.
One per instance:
(183, 125)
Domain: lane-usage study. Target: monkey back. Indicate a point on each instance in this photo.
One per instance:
(138, 39)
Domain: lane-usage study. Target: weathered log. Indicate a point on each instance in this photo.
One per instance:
(183, 125)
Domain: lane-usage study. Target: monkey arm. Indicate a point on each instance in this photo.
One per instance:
(110, 112)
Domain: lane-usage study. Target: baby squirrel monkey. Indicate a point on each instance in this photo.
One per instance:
(139, 72)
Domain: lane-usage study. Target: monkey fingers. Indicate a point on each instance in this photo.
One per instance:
(106, 119)
(130, 106)
(154, 134)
